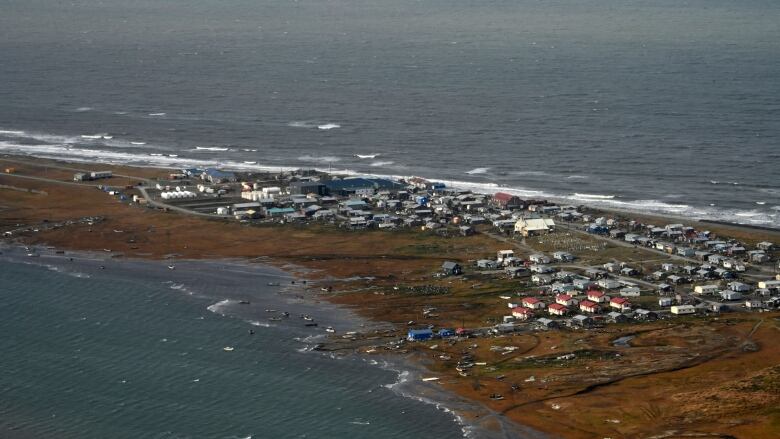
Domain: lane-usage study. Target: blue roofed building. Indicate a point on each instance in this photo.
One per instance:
(214, 175)
(419, 334)
(361, 186)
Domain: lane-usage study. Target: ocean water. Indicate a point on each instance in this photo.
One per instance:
(663, 106)
(136, 351)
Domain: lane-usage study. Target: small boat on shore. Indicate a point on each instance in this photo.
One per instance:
(431, 379)
(228, 348)
(330, 329)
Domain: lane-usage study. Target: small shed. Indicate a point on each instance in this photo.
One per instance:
(450, 268)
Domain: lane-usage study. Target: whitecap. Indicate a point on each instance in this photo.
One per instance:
(12, 133)
(328, 126)
(476, 171)
(326, 159)
(381, 163)
(532, 173)
(219, 306)
(211, 148)
(593, 196)
(83, 109)
(157, 114)
(302, 124)
(366, 156)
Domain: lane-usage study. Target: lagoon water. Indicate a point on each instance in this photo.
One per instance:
(662, 105)
(136, 351)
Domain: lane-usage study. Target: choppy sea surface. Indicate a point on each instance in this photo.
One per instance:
(135, 350)
(664, 106)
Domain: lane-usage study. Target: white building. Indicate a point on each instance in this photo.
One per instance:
(683, 309)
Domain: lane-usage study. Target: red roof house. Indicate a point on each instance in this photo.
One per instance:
(557, 309)
(620, 303)
(533, 303)
(588, 306)
(522, 313)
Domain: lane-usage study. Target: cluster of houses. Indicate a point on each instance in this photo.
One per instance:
(363, 202)
(685, 241)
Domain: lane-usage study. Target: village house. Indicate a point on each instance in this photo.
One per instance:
(588, 306)
(507, 201)
(645, 315)
(565, 300)
(706, 290)
(487, 264)
(539, 258)
(616, 317)
(730, 295)
(753, 304)
(545, 323)
(665, 301)
(522, 313)
(563, 256)
(739, 286)
(608, 284)
(557, 309)
(621, 304)
(581, 320)
(532, 303)
(534, 226)
(541, 279)
(541, 269)
(450, 268)
(683, 309)
(503, 255)
(630, 292)
(597, 296)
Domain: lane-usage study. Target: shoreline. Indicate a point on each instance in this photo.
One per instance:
(362, 262)
(472, 416)
(594, 202)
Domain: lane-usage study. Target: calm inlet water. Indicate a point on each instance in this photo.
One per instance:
(661, 105)
(121, 353)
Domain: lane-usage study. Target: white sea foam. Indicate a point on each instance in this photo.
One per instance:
(218, 307)
(83, 109)
(593, 196)
(260, 324)
(12, 133)
(328, 126)
(379, 164)
(577, 177)
(211, 148)
(157, 114)
(302, 124)
(322, 159)
(366, 156)
(477, 171)
(532, 173)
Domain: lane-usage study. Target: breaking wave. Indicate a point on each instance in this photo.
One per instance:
(477, 171)
(322, 159)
